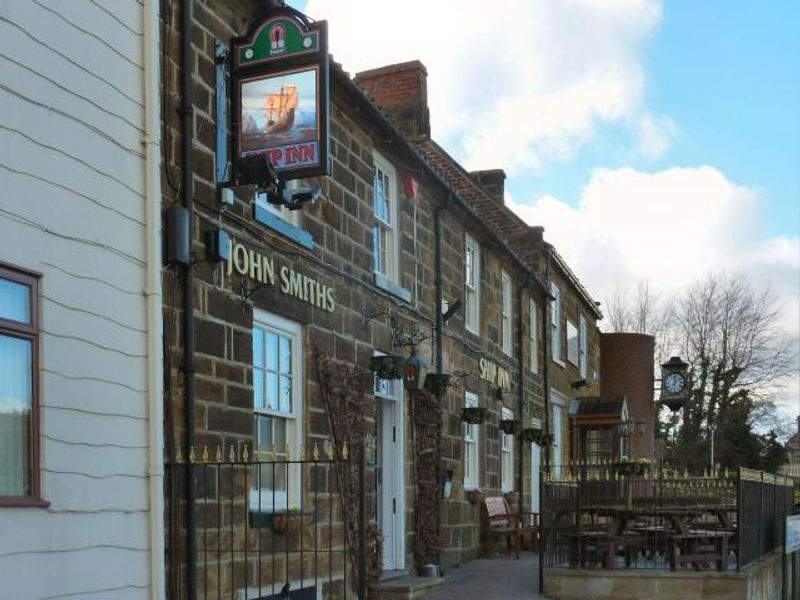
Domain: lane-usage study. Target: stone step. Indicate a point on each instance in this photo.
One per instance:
(407, 588)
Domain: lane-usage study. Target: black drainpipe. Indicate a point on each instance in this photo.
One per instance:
(547, 357)
(520, 392)
(187, 138)
(437, 234)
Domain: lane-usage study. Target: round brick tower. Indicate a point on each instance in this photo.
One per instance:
(627, 369)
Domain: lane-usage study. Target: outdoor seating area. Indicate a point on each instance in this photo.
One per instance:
(599, 517)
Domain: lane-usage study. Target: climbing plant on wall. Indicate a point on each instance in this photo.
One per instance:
(347, 392)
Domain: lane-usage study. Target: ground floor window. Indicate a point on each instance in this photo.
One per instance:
(507, 456)
(471, 471)
(278, 410)
(19, 338)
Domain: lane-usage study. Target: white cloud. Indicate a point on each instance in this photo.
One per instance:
(656, 135)
(514, 85)
(669, 227)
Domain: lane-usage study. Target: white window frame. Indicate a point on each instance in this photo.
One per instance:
(534, 334)
(573, 343)
(472, 285)
(582, 346)
(388, 229)
(263, 499)
(555, 430)
(471, 441)
(507, 292)
(280, 211)
(507, 456)
(557, 403)
(555, 323)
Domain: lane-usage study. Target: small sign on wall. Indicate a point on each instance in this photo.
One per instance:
(792, 542)
(281, 95)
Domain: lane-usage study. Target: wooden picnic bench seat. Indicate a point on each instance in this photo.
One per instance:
(700, 546)
(500, 522)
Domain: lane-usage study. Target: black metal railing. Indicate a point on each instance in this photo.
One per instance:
(636, 516)
(765, 500)
(643, 516)
(264, 528)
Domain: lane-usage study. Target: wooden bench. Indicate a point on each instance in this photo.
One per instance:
(699, 547)
(501, 522)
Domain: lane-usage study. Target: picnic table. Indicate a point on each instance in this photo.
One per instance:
(620, 526)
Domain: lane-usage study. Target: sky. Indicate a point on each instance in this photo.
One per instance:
(655, 141)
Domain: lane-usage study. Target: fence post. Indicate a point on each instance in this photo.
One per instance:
(542, 528)
(739, 521)
(362, 523)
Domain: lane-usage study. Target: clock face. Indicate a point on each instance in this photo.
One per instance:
(674, 383)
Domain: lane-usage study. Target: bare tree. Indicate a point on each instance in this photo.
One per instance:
(730, 334)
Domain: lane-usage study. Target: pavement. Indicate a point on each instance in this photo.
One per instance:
(503, 577)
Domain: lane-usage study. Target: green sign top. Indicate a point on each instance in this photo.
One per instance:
(278, 38)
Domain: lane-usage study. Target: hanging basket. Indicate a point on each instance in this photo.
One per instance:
(531, 434)
(287, 521)
(510, 426)
(437, 383)
(547, 439)
(474, 415)
(387, 366)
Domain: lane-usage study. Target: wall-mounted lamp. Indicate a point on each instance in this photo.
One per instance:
(414, 372)
(498, 395)
(451, 310)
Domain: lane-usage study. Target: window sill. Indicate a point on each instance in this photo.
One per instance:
(560, 363)
(23, 502)
(300, 236)
(393, 288)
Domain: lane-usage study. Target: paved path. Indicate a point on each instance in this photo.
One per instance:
(503, 577)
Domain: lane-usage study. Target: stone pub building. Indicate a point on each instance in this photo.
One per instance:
(272, 317)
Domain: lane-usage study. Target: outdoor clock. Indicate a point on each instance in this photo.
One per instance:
(674, 383)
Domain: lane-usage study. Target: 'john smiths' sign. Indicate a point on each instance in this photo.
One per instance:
(260, 267)
(280, 95)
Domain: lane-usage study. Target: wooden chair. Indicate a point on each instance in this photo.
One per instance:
(501, 522)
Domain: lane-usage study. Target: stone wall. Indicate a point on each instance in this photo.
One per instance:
(341, 259)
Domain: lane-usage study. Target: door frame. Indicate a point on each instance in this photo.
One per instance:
(397, 403)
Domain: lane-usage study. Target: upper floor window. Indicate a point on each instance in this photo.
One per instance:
(582, 347)
(384, 229)
(555, 321)
(19, 416)
(472, 284)
(505, 284)
(279, 218)
(278, 410)
(534, 333)
(507, 456)
(572, 343)
(471, 474)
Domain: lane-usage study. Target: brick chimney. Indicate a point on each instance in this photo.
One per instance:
(493, 182)
(401, 90)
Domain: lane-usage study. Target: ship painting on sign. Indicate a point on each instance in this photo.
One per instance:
(279, 111)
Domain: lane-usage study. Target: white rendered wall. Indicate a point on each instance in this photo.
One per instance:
(72, 207)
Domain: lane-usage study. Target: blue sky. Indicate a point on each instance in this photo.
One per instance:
(728, 74)
(654, 141)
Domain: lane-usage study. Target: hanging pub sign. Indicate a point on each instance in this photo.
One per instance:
(280, 98)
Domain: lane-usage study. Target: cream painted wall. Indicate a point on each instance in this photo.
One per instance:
(73, 207)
